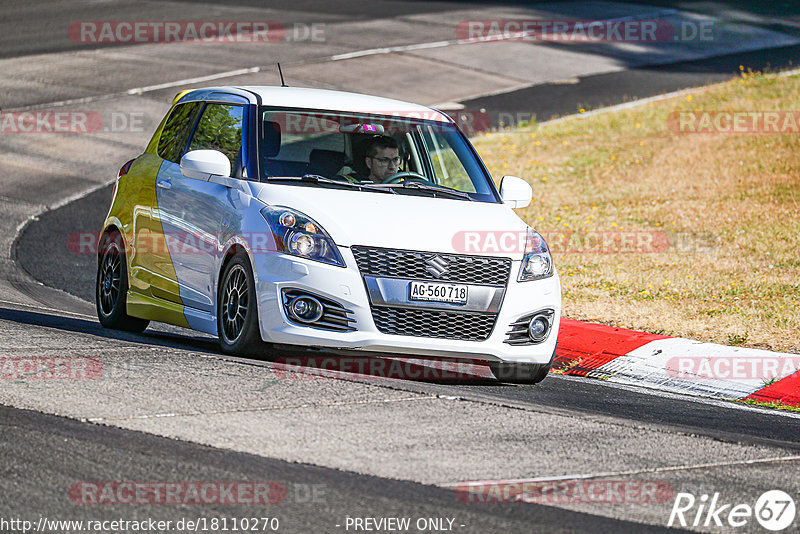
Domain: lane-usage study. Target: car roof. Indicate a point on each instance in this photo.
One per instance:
(307, 98)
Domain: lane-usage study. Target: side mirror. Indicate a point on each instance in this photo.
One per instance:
(203, 164)
(515, 192)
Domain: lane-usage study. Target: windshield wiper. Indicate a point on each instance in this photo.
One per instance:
(408, 184)
(317, 179)
(382, 188)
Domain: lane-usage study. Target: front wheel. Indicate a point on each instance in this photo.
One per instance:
(521, 373)
(112, 287)
(237, 313)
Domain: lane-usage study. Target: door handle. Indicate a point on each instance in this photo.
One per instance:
(164, 184)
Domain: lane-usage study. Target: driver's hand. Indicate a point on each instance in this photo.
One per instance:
(349, 174)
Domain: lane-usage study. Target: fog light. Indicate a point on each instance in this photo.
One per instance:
(306, 309)
(537, 330)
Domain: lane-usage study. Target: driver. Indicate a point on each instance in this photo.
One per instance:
(382, 159)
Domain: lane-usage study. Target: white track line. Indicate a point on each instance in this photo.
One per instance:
(391, 49)
(585, 476)
(188, 81)
(44, 308)
(643, 101)
(652, 390)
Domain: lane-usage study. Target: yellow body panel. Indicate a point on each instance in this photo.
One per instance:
(152, 280)
(155, 309)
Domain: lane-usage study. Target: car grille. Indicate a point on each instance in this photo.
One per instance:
(433, 323)
(462, 269)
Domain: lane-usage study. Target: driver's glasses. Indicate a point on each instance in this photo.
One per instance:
(386, 161)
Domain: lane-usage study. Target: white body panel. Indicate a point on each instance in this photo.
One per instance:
(391, 221)
(396, 222)
(277, 271)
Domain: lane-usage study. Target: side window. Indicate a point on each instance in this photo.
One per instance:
(176, 130)
(220, 128)
(448, 169)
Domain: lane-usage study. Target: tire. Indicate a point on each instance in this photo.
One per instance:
(237, 310)
(111, 287)
(521, 373)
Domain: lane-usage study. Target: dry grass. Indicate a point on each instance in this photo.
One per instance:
(727, 203)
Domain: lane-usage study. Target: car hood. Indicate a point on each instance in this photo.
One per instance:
(353, 217)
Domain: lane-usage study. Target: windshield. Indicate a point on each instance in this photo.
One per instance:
(406, 155)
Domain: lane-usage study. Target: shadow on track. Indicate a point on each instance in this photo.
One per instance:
(87, 326)
(294, 363)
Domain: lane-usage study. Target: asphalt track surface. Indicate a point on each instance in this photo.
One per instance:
(548, 101)
(88, 450)
(41, 251)
(42, 455)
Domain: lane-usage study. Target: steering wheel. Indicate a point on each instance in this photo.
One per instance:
(401, 176)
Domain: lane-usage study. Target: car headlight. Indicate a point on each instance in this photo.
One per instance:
(299, 235)
(537, 263)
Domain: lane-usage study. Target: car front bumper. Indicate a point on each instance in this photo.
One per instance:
(276, 272)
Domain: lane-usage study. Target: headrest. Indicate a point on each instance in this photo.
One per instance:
(321, 156)
(326, 162)
(271, 139)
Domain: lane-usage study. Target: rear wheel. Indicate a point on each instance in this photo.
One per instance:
(521, 373)
(237, 313)
(112, 286)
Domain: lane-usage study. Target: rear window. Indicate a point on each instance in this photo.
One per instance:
(176, 130)
(301, 133)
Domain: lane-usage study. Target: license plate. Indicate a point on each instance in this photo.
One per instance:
(438, 292)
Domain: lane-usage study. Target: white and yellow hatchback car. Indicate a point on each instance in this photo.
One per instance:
(289, 216)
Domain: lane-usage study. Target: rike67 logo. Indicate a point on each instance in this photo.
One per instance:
(774, 510)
